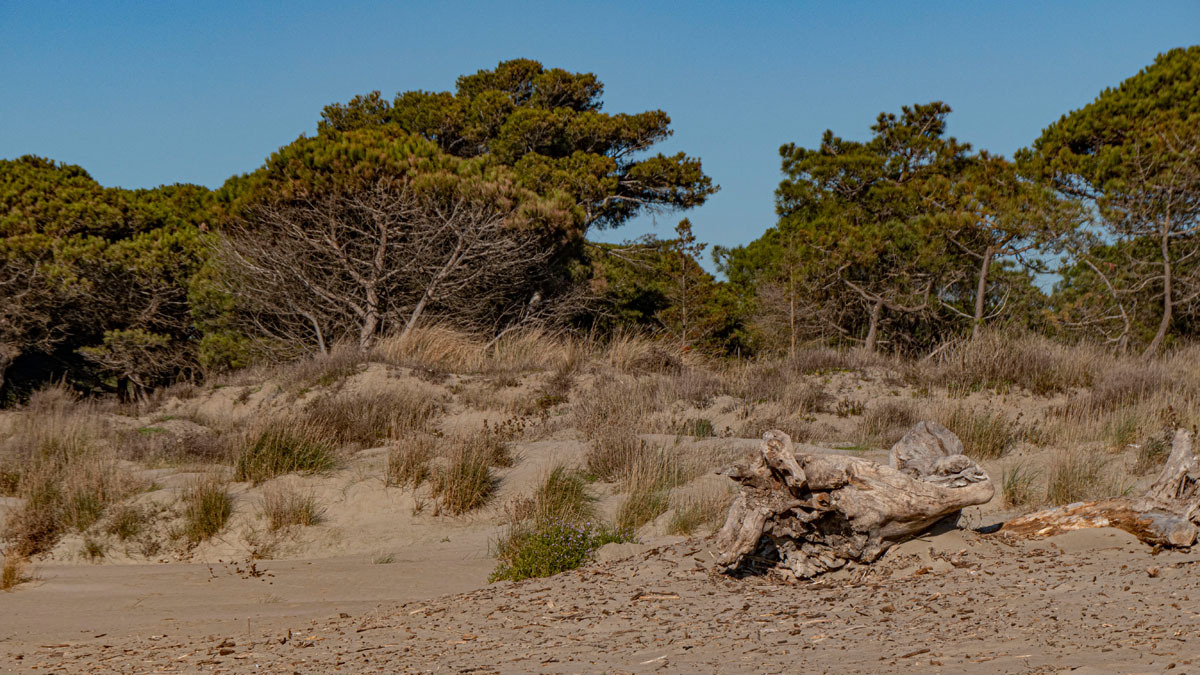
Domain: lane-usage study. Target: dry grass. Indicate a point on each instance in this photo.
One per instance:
(1151, 455)
(648, 482)
(609, 457)
(13, 571)
(1017, 489)
(1078, 475)
(127, 521)
(612, 404)
(321, 370)
(286, 506)
(887, 421)
(985, 434)
(466, 482)
(408, 460)
(281, 446)
(998, 360)
(364, 418)
(207, 507)
(64, 476)
(443, 349)
(700, 512)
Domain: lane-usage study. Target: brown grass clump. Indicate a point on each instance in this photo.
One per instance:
(281, 446)
(207, 507)
(985, 435)
(886, 422)
(998, 359)
(648, 481)
(284, 506)
(443, 349)
(1017, 487)
(366, 417)
(705, 511)
(322, 370)
(610, 456)
(614, 404)
(1077, 475)
(64, 477)
(12, 573)
(408, 460)
(466, 482)
(1151, 455)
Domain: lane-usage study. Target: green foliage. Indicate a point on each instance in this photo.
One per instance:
(1134, 153)
(96, 272)
(552, 548)
(547, 125)
(658, 285)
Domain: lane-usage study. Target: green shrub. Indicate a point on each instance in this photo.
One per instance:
(552, 548)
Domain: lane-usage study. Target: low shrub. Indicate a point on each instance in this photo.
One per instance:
(552, 548)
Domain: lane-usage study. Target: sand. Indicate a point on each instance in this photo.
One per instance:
(957, 602)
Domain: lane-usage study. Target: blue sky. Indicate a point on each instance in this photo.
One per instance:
(147, 93)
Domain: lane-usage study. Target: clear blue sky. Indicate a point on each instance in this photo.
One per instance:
(147, 93)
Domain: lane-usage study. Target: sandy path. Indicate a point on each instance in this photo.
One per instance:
(953, 603)
(105, 603)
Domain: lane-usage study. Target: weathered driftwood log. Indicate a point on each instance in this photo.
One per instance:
(1167, 515)
(817, 512)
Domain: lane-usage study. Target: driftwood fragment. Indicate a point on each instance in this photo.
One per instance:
(1168, 515)
(817, 512)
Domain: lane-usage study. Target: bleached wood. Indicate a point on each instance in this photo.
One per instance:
(820, 511)
(1167, 515)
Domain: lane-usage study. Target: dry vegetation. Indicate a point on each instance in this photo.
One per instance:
(1056, 423)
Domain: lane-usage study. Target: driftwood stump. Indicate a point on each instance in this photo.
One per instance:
(817, 512)
(1167, 515)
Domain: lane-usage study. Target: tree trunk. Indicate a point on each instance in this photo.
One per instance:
(817, 512)
(1167, 302)
(873, 328)
(1167, 515)
(981, 292)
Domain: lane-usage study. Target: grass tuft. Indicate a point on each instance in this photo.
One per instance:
(284, 507)
(207, 507)
(1017, 487)
(985, 435)
(1076, 475)
(466, 482)
(284, 446)
(12, 573)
